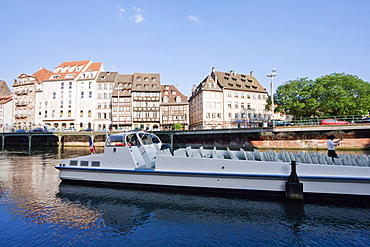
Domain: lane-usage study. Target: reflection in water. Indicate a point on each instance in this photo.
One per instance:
(35, 207)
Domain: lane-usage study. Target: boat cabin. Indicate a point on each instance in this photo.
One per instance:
(141, 144)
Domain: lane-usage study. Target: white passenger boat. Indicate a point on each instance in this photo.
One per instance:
(140, 159)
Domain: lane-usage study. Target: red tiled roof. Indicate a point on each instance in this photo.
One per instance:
(42, 74)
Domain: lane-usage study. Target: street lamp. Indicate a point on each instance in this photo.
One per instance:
(272, 75)
(119, 88)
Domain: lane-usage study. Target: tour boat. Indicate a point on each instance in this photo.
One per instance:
(141, 159)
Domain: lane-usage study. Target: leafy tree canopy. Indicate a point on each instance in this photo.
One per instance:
(178, 126)
(330, 95)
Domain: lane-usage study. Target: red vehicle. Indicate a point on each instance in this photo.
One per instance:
(333, 121)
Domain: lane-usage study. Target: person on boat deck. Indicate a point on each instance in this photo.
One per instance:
(331, 146)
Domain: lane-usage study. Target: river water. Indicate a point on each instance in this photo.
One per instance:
(37, 210)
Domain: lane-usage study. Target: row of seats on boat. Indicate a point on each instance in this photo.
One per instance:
(272, 156)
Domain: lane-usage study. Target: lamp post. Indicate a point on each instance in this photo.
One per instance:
(272, 75)
(119, 88)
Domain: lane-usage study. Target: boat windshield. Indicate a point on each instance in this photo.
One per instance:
(115, 140)
(148, 139)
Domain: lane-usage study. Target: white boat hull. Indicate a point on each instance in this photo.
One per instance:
(144, 164)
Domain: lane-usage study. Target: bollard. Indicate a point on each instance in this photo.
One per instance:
(293, 188)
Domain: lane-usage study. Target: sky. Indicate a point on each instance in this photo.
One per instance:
(183, 39)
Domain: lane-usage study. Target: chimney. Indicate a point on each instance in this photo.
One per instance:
(213, 69)
(251, 73)
(234, 72)
(178, 87)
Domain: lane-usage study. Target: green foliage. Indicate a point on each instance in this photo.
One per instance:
(178, 126)
(330, 95)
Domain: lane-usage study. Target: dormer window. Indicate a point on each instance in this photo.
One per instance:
(139, 79)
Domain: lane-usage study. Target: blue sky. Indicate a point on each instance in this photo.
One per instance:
(182, 40)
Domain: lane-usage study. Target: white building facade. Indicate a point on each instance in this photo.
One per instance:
(228, 100)
(66, 101)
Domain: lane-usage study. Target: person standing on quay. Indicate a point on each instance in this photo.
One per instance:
(331, 146)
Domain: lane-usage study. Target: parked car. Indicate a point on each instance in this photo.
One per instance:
(278, 122)
(331, 121)
(364, 120)
(21, 130)
(37, 130)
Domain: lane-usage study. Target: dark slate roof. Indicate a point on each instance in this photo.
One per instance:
(146, 82)
(172, 93)
(231, 80)
(106, 76)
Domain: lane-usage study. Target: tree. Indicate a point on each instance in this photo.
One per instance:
(331, 95)
(178, 126)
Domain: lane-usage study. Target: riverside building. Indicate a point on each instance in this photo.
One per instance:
(66, 99)
(174, 108)
(227, 100)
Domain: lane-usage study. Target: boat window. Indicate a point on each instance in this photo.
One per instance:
(84, 163)
(95, 163)
(132, 140)
(73, 163)
(155, 139)
(146, 139)
(115, 140)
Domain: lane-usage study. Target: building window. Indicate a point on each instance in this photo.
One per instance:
(61, 113)
(90, 94)
(229, 104)
(62, 85)
(69, 103)
(69, 113)
(70, 85)
(89, 113)
(81, 113)
(61, 104)
(82, 95)
(54, 95)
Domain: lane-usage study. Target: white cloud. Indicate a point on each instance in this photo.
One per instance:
(120, 12)
(193, 18)
(137, 10)
(137, 18)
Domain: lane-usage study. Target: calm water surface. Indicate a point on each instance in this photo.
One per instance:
(36, 210)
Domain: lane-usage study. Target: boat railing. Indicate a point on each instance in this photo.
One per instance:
(271, 156)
